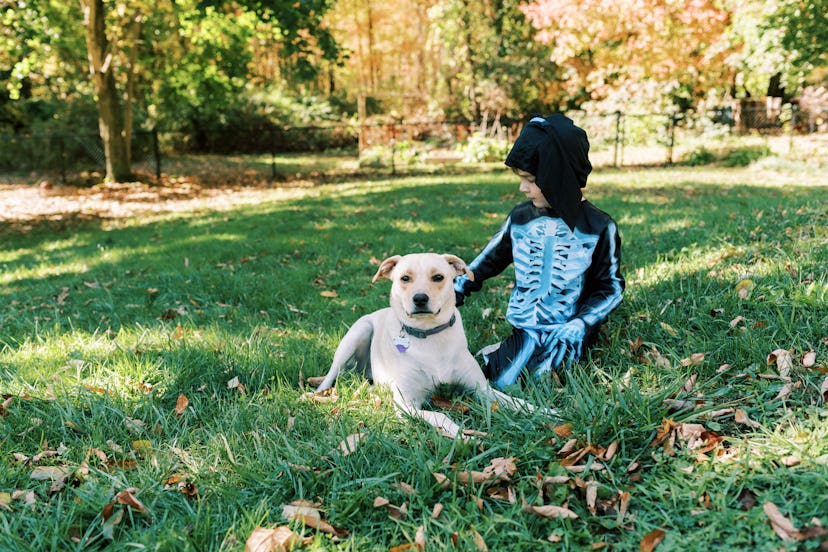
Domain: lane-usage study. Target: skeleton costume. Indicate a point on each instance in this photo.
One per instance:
(566, 258)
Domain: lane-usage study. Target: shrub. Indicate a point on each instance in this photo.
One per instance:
(741, 157)
(700, 156)
(480, 148)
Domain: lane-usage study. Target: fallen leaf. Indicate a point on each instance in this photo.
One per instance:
(741, 417)
(695, 360)
(823, 389)
(783, 393)
(181, 404)
(747, 499)
(781, 525)
(330, 294)
(623, 503)
(744, 287)
(610, 452)
(651, 540)
(280, 539)
(809, 359)
(349, 444)
(591, 497)
(420, 539)
(668, 328)
(479, 543)
(301, 508)
(563, 431)
(128, 499)
(438, 509)
(550, 511)
(4, 407)
(322, 525)
(134, 425)
(790, 461)
(783, 361)
(53, 473)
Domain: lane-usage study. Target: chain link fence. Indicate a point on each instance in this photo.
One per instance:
(616, 139)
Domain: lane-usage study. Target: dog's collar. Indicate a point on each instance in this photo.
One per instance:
(422, 334)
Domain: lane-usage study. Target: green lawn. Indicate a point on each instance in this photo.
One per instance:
(686, 418)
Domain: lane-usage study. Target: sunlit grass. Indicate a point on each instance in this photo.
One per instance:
(102, 329)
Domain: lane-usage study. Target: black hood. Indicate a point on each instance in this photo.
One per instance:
(557, 153)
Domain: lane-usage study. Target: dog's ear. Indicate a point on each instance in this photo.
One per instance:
(386, 267)
(459, 265)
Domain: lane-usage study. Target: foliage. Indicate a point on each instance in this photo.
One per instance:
(728, 157)
(621, 44)
(480, 147)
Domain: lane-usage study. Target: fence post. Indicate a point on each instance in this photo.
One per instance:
(672, 138)
(617, 138)
(792, 129)
(156, 151)
(62, 159)
(272, 155)
(393, 148)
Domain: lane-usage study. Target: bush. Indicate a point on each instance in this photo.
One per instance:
(700, 156)
(479, 148)
(742, 157)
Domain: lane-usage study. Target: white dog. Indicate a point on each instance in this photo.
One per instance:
(419, 341)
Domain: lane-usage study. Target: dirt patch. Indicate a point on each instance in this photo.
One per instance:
(25, 207)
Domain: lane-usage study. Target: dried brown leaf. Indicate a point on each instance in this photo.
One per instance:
(53, 473)
(651, 540)
(127, 498)
(349, 444)
(280, 539)
(563, 431)
(479, 543)
(781, 525)
(591, 497)
(181, 404)
(783, 361)
(438, 509)
(809, 359)
(741, 417)
(550, 511)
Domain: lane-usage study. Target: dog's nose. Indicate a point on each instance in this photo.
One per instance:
(420, 300)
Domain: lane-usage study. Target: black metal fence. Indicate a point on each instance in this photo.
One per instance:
(617, 139)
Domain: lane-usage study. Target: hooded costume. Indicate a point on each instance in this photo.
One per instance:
(566, 258)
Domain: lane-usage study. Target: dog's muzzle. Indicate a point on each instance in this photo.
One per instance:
(420, 303)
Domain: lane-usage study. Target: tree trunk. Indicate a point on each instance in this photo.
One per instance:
(110, 117)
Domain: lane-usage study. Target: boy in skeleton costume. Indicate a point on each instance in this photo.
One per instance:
(565, 251)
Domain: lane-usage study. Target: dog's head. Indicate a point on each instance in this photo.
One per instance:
(422, 289)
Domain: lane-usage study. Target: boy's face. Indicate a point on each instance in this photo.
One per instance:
(530, 188)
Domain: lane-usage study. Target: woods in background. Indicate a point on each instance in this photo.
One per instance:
(247, 66)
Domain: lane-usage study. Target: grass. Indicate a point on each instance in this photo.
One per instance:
(104, 326)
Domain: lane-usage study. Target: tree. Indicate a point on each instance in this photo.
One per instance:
(111, 117)
(607, 45)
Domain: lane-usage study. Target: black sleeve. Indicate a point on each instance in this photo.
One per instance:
(493, 260)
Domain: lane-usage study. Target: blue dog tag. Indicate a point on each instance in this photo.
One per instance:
(401, 342)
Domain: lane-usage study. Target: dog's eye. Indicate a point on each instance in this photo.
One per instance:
(438, 278)
(405, 278)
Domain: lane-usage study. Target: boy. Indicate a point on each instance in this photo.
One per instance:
(566, 253)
